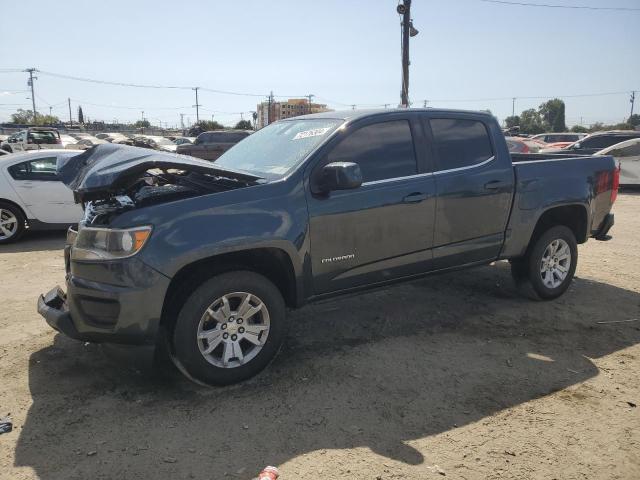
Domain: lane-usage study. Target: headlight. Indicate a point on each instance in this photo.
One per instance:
(109, 243)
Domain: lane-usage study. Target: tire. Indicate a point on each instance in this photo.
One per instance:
(12, 222)
(551, 262)
(199, 337)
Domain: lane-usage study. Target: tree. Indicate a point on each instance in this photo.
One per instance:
(531, 122)
(552, 115)
(634, 120)
(210, 125)
(22, 116)
(80, 115)
(26, 117)
(142, 124)
(579, 129)
(244, 125)
(512, 121)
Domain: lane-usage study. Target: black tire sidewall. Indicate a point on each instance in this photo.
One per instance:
(21, 220)
(184, 337)
(554, 233)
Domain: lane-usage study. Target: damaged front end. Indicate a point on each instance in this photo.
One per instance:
(111, 293)
(110, 179)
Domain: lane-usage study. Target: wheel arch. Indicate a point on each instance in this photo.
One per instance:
(573, 216)
(271, 262)
(18, 206)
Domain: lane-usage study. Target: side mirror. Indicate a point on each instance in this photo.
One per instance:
(340, 176)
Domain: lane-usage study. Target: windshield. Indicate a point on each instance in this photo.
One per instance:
(276, 149)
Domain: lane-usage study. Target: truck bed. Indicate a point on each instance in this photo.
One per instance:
(545, 181)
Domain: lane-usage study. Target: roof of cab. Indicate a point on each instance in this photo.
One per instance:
(355, 114)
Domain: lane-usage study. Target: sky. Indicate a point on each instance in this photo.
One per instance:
(469, 54)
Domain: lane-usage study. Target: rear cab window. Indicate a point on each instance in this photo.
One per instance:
(43, 137)
(382, 150)
(460, 143)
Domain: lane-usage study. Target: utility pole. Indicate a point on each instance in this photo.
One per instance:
(269, 107)
(408, 30)
(182, 121)
(386, 105)
(310, 97)
(513, 107)
(70, 117)
(632, 99)
(33, 95)
(212, 118)
(424, 103)
(50, 107)
(197, 105)
(353, 107)
(142, 122)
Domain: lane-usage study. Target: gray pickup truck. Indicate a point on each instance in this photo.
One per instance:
(205, 258)
(211, 145)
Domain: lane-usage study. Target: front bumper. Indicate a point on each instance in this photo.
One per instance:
(115, 302)
(53, 307)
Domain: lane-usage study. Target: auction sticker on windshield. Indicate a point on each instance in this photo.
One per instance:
(316, 132)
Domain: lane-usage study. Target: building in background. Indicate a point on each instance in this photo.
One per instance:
(293, 107)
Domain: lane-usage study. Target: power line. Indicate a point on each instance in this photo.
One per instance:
(572, 7)
(155, 86)
(107, 82)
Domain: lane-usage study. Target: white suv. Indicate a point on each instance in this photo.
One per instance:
(34, 138)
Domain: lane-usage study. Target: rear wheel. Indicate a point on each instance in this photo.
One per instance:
(230, 328)
(550, 264)
(11, 223)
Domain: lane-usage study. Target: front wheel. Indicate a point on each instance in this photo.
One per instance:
(552, 262)
(230, 328)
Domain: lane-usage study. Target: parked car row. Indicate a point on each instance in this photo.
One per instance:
(39, 138)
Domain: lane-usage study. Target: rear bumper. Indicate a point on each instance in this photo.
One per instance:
(606, 225)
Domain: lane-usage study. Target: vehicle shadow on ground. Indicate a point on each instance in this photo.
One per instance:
(377, 370)
(37, 242)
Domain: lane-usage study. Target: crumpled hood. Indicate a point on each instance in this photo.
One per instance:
(105, 169)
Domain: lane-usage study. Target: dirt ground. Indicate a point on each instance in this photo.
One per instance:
(454, 375)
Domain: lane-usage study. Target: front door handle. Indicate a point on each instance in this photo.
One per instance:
(415, 197)
(495, 185)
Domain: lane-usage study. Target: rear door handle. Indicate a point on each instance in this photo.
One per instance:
(415, 197)
(495, 185)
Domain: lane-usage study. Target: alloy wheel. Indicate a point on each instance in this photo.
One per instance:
(555, 263)
(8, 224)
(233, 329)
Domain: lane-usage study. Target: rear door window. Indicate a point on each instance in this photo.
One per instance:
(382, 150)
(460, 143)
(603, 141)
(40, 169)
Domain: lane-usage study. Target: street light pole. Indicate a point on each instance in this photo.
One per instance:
(404, 9)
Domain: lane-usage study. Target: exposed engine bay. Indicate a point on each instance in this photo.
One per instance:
(154, 187)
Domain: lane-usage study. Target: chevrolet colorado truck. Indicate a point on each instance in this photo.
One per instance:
(206, 258)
